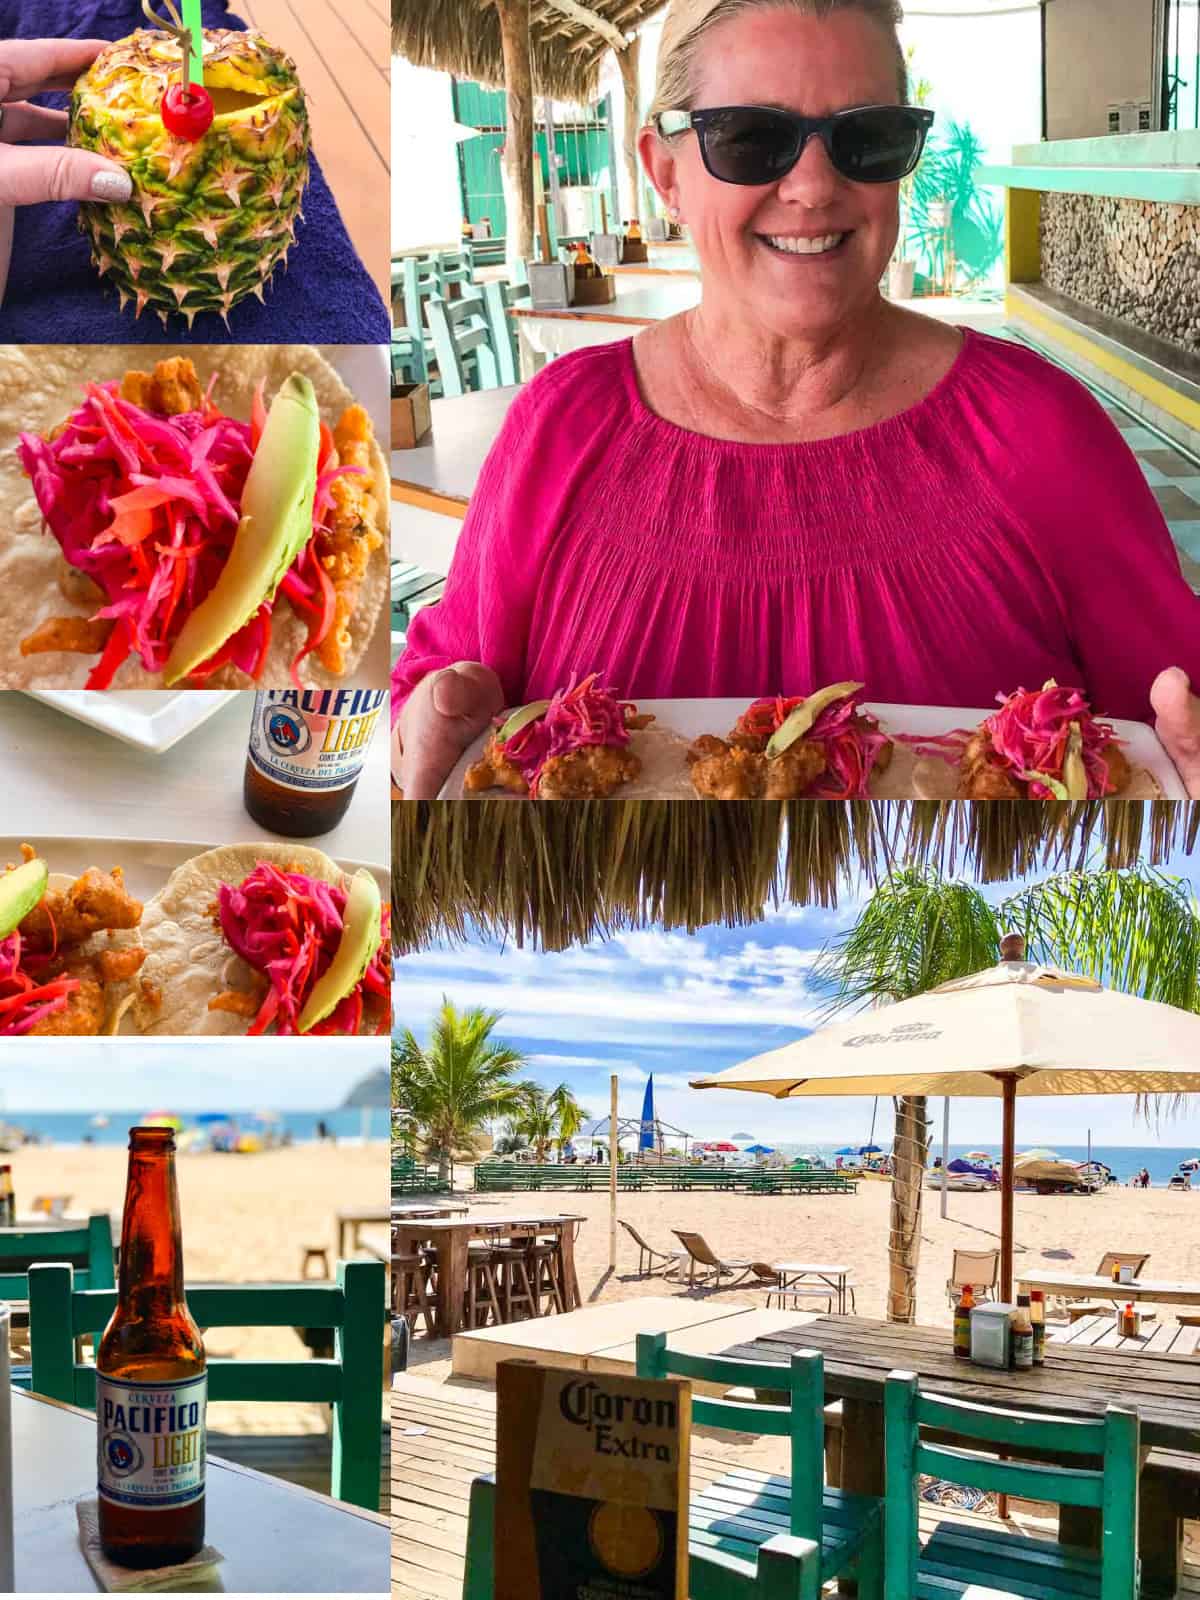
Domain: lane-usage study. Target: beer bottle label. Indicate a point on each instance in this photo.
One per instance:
(151, 1442)
(314, 740)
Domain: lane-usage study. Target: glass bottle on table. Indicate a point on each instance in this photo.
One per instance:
(307, 749)
(151, 1378)
(8, 1201)
(1022, 1334)
(962, 1323)
(1037, 1315)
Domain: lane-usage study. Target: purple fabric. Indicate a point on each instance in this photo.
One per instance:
(996, 534)
(54, 294)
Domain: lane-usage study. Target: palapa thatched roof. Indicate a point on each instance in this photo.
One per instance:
(560, 874)
(463, 37)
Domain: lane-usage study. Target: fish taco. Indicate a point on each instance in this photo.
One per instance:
(214, 519)
(69, 949)
(265, 938)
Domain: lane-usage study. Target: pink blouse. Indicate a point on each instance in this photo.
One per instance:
(996, 534)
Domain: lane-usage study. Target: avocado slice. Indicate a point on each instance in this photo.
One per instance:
(361, 935)
(802, 717)
(521, 719)
(21, 890)
(276, 524)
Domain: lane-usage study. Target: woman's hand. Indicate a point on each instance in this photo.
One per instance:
(444, 713)
(1177, 723)
(46, 171)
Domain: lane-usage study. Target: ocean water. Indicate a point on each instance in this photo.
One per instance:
(74, 1127)
(1159, 1160)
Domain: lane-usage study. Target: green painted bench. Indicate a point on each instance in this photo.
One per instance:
(738, 1513)
(959, 1560)
(772, 1182)
(780, 1567)
(88, 1247)
(351, 1381)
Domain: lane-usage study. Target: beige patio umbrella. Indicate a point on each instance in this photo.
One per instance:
(1015, 1029)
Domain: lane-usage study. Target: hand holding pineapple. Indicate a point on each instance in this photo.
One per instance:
(31, 167)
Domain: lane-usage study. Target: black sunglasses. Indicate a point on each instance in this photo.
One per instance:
(759, 144)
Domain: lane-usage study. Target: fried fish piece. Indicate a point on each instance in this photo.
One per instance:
(83, 1015)
(730, 773)
(345, 547)
(79, 635)
(590, 773)
(980, 775)
(1120, 773)
(95, 901)
(172, 389)
(492, 771)
(238, 1002)
(792, 773)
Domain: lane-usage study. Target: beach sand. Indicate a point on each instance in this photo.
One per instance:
(245, 1219)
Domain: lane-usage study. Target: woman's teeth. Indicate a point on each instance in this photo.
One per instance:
(804, 247)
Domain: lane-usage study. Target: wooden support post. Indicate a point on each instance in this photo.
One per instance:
(518, 141)
(612, 1173)
(627, 60)
(1008, 1154)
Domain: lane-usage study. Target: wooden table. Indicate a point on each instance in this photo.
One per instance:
(440, 474)
(410, 1210)
(1089, 1285)
(1156, 1338)
(795, 1274)
(452, 1235)
(275, 1537)
(640, 301)
(353, 1220)
(1076, 1381)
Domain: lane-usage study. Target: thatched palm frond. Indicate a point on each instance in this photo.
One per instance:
(463, 37)
(561, 874)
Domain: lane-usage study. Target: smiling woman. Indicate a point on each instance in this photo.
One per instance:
(800, 483)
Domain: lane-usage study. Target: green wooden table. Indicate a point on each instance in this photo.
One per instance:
(1076, 1381)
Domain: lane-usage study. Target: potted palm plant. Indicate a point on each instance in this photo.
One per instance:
(903, 267)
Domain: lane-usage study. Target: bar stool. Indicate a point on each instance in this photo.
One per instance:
(545, 1257)
(410, 1294)
(516, 1282)
(482, 1288)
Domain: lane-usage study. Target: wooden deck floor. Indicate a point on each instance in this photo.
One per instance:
(343, 54)
(442, 1436)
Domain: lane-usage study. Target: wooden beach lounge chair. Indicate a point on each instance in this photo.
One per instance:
(979, 1268)
(648, 1256)
(351, 1381)
(780, 1566)
(738, 1513)
(959, 1559)
(713, 1269)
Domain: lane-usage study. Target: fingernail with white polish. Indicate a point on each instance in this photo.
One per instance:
(112, 186)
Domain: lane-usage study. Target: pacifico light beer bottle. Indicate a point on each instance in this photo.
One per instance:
(307, 748)
(151, 1382)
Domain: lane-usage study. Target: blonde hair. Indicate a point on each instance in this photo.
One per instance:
(688, 21)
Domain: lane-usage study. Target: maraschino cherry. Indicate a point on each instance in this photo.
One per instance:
(187, 111)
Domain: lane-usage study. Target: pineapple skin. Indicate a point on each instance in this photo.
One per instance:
(209, 220)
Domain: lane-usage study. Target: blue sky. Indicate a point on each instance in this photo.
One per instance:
(682, 1006)
(186, 1074)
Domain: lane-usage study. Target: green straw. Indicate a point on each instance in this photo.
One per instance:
(194, 23)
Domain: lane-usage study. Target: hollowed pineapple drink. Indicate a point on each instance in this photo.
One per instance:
(210, 218)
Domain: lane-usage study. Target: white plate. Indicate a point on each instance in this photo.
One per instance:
(150, 719)
(691, 718)
(145, 863)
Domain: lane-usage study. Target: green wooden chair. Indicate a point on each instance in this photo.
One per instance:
(462, 342)
(351, 1381)
(88, 1247)
(781, 1567)
(962, 1560)
(738, 1513)
(497, 298)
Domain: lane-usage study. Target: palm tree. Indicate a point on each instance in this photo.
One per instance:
(1137, 930)
(546, 1117)
(457, 1083)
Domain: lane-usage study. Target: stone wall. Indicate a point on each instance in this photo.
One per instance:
(1134, 259)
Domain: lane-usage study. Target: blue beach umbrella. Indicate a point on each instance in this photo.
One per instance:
(870, 1150)
(847, 1150)
(646, 1137)
(759, 1150)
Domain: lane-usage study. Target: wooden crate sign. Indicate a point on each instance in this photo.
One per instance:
(591, 1485)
